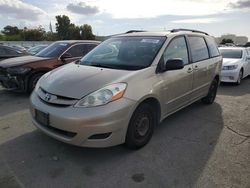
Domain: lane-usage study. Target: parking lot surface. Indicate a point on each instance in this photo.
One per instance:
(199, 146)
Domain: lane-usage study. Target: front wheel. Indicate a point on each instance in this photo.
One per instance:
(209, 99)
(141, 127)
(240, 77)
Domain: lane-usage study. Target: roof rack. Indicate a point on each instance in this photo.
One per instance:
(135, 31)
(191, 30)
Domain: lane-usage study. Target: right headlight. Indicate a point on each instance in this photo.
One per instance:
(229, 67)
(103, 96)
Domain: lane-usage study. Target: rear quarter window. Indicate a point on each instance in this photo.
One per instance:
(212, 46)
(198, 48)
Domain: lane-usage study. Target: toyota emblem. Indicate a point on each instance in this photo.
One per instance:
(47, 97)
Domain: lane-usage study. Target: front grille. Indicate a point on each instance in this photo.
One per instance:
(56, 100)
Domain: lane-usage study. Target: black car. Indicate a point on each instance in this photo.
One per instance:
(8, 52)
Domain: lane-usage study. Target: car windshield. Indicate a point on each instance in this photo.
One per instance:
(128, 53)
(231, 53)
(53, 50)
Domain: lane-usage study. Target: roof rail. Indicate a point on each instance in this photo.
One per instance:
(191, 30)
(135, 31)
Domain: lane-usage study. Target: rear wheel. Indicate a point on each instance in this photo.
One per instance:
(32, 81)
(141, 127)
(240, 77)
(209, 99)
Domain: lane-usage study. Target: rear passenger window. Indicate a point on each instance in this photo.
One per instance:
(177, 49)
(198, 48)
(77, 50)
(213, 49)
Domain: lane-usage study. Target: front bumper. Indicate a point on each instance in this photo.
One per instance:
(12, 82)
(85, 123)
(229, 75)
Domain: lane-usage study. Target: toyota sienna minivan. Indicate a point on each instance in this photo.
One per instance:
(124, 87)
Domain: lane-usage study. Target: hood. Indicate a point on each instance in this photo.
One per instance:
(17, 61)
(230, 61)
(76, 81)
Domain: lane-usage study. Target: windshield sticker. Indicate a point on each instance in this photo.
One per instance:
(63, 44)
(154, 41)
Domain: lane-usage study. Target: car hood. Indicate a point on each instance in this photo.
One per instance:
(230, 61)
(17, 61)
(76, 81)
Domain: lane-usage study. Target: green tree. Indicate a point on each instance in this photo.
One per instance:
(2, 37)
(33, 34)
(69, 31)
(11, 30)
(225, 41)
(50, 36)
(86, 32)
(63, 27)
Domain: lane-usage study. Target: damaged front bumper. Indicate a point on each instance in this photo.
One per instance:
(11, 82)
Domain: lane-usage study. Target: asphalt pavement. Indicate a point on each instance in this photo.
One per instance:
(199, 146)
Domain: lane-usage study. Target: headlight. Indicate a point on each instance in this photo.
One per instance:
(18, 70)
(103, 96)
(230, 67)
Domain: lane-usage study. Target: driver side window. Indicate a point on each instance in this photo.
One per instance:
(177, 49)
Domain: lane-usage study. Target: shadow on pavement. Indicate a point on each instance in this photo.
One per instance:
(175, 157)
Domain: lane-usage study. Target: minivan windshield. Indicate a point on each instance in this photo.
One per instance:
(231, 53)
(53, 50)
(128, 53)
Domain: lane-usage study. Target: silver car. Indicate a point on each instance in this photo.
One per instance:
(123, 88)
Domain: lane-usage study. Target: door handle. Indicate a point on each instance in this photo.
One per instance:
(196, 67)
(189, 70)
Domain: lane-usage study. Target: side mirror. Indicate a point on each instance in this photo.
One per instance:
(66, 56)
(174, 64)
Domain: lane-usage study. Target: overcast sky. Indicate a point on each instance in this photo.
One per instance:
(108, 17)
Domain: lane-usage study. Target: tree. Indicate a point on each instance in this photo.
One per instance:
(11, 30)
(247, 44)
(34, 34)
(67, 30)
(49, 36)
(63, 26)
(226, 41)
(86, 32)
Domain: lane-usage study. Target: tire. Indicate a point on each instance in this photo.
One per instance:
(32, 82)
(209, 99)
(141, 126)
(239, 77)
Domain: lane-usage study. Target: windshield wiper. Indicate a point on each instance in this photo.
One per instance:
(103, 65)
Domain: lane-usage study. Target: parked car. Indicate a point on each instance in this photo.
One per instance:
(35, 49)
(8, 52)
(124, 87)
(236, 64)
(19, 47)
(22, 73)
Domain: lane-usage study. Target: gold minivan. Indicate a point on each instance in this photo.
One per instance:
(124, 87)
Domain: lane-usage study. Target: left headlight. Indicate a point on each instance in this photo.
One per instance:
(230, 67)
(103, 96)
(18, 70)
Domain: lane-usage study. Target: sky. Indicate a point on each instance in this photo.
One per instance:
(109, 17)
